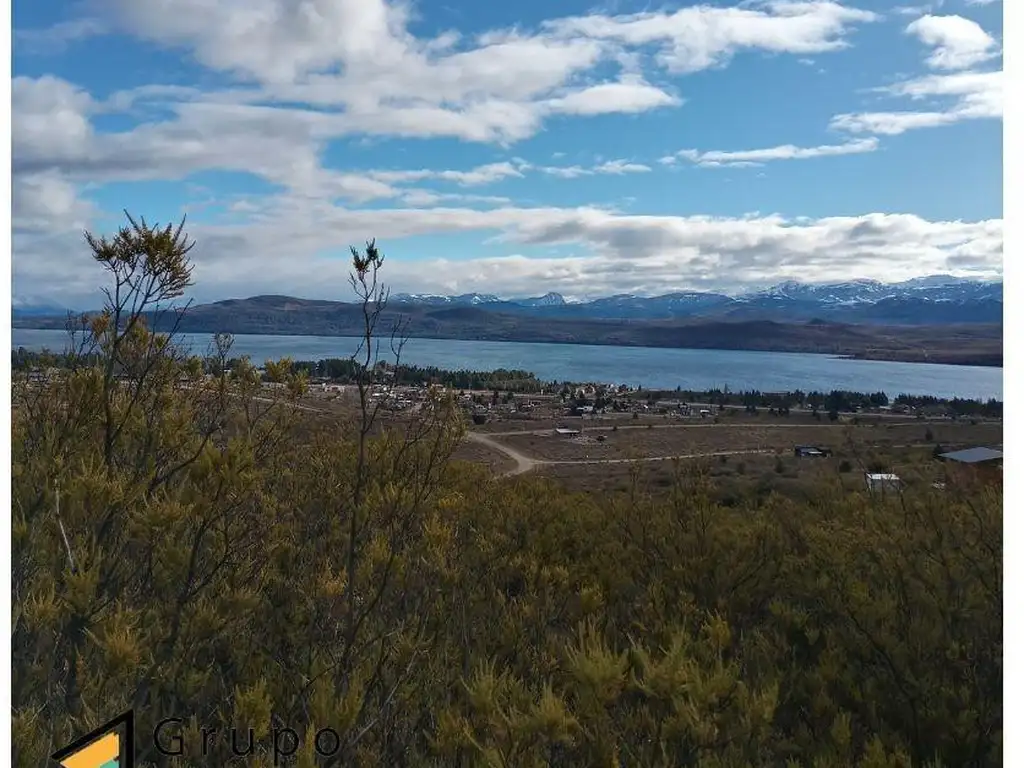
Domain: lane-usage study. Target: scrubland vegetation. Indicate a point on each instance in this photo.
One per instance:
(184, 546)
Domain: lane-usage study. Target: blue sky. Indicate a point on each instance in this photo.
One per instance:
(510, 148)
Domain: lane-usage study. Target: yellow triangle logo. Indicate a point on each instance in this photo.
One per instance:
(109, 746)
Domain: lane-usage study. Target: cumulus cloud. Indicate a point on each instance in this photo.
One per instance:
(758, 157)
(700, 37)
(957, 43)
(46, 203)
(52, 132)
(299, 246)
(359, 59)
(299, 74)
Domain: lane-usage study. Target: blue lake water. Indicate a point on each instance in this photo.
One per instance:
(695, 369)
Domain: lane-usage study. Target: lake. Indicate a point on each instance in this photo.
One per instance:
(694, 369)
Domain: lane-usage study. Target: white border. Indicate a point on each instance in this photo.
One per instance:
(1013, 210)
(5, 375)
(1013, 360)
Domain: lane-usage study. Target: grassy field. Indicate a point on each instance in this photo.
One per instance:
(494, 460)
(755, 453)
(742, 453)
(629, 441)
(735, 477)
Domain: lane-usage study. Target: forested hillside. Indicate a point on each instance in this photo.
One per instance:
(194, 547)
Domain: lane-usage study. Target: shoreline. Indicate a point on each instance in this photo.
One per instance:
(893, 356)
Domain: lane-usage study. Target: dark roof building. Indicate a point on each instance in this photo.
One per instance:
(973, 456)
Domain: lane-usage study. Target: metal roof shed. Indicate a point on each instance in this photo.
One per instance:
(973, 455)
(883, 482)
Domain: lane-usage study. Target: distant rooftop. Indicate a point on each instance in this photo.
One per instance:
(972, 455)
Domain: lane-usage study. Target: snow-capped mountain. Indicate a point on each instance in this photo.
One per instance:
(852, 292)
(547, 300)
(931, 299)
(937, 288)
(465, 299)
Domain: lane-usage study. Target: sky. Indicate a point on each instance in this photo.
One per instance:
(509, 148)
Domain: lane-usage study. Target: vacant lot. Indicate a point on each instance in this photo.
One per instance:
(497, 462)
(629, 441)
(754, 476)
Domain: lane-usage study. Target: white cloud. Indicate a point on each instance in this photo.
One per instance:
(484, 174)
(52, 133)
(609, 167)
(958, 43)
(50, 117)
(57, 38)
(621, 252)
(975, 95)
(917, 10)
(628, 96)
(297, 246)
(306, 72)
(426, 197)
(45, 203)
(704, 36)
(757, 157)
(619, 167)
(359, 58)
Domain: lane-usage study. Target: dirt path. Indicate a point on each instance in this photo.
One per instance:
(660, 458)
(746, 425)
(523, 462)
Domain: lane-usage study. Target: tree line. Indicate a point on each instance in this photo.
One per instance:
(346, 371)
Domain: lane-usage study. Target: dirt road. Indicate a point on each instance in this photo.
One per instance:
(743, 425)
(523, 462)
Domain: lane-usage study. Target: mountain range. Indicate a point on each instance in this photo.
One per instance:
(932, 300)
(939, 320)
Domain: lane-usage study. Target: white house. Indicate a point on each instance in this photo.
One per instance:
(883, 482)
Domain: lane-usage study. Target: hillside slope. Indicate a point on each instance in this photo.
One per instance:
(972, 344)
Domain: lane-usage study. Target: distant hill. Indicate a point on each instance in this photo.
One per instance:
(974, 343)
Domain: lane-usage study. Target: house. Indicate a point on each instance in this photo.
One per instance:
(883, 482)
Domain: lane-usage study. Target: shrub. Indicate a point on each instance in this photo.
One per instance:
(845, 466)
(431, 615)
